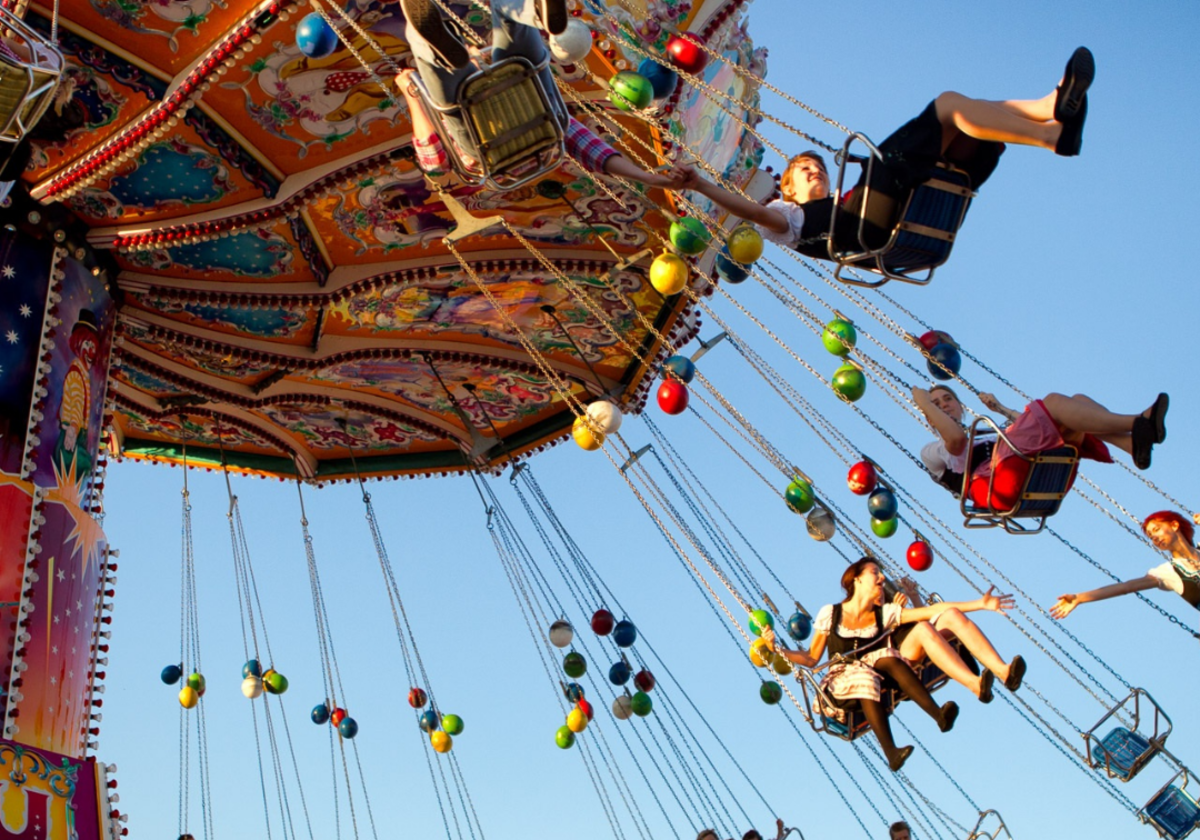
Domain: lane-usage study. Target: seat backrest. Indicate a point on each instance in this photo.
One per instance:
(1173, 812)
(1050, 479)
(509, 114)
(1122, 752)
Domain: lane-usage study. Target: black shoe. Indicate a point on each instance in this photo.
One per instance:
(948, 716)
(897, 757)
(554, 15)
(1016, 673)
(426, 18)
(1158, 417)
(1077, 78)
(1070, 141)
(985, 686)
(1143, 441)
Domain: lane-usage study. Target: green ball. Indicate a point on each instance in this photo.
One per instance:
(452, 724)
(574, 665)
(642, 704)
(197, 683)
(770, 693)
(800, 496)
(760, 619)
(689, 236)
(630, 91)
(564, 737)
(885, 527)
(849, 382)
(275, 682)
(839, 337)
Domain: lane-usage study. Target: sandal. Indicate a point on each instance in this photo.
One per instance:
(1158, 417)
(1143, 441)
(985, 687)
(1016, 673)
(427, 20)
(1077, 78)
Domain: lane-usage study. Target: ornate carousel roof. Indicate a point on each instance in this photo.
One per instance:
(285, 297)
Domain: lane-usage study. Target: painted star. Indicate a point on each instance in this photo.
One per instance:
(26, 310)
(62, 575)
(54, 650)
(12, 337)
(79, 605)
(56, 619)
(9, 271)
(54, 681)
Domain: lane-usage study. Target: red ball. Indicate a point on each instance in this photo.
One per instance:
(933, 338)
(672, 396)
(686, 54)
(417, 698)
(862, 478)
(337, 717)
(920, 556)
(644, 680)
(585, 707)
(602, 622)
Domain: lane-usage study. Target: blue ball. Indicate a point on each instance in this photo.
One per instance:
(619, 673)
(251, 669)
(348, 728)
(428, 720)
(682, 367)
(947, 355)
(320, 714)
(574, 692)
(730, 270)
(799, 626)
(662, 79)
(314, 37)
(624, 634)
(171, 674)
(882, 504)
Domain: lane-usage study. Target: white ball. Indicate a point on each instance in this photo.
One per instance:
(622, 707)
(561, 633)
(573, 44)
(821, 524)
(252, 687)
(605, 416)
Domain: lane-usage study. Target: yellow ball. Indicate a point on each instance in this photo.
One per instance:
(760, 653)
(668, 274)
(577, 721)
(441, 741)
(188, 697)
(745, 244)
(587, 439)
(781, 664)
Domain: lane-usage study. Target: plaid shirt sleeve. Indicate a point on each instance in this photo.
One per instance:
(585, 146)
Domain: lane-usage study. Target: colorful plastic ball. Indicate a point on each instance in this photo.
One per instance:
(760, 619)
(686, 53)
(452, 724)
(849, 382)
(196, 681)
(682, 367)
(770, 693)
(644, 680)
(586, 438)
(799, 626)
(662, 79)
(820, 524)
(314, 36)
(745, 244)
(839, 337)
(689, 236)
(564, 737)
(574, 692)
(252, 687)
(630, 91)
(561, 633)
(319, 714)
(729, 270)
(641, 704)
(574, 665)
(884, 528)
(669, 274)
(882, 504)
(619, 673)
(781, 664)
(576, 721)
(602, 622)
(673, 396)
(417, 698)
(252, 669)
(800, 496)
(440, 741)
(348, 727)
(188, 697)
(760, 653)
(944, 356)
(862, 478)
(622, 707)
(275, 682)
(586, 708)
(625, 633)
(337, 716)
(573, 44)
(919, 556)
(171, 674)
(428, 721)
(605, 416)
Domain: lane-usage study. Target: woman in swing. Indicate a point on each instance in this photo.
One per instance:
(967, 133)
(860, 631)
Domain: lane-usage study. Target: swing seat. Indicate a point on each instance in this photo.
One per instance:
(1126, 749)
(1122, 753)
(30, 69)
(922, 232)
(1026, 486)
(982, 832)
(1173, 811)
(508, 114)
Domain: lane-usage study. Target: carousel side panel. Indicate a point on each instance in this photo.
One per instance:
(47, 796)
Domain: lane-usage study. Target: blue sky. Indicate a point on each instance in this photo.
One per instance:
(1070, 275)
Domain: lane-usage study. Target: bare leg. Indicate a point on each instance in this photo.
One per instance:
(971, 636)
(1083, 414)
(985, 120)
(925, 641)
(1038, 110)
(1122, 442)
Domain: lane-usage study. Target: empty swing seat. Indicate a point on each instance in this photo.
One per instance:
(1173, 812)
(28, 79)
(1123, 753)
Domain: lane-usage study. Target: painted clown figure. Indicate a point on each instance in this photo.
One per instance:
(75, 409)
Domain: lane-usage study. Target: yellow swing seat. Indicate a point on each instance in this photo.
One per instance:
(31, 67)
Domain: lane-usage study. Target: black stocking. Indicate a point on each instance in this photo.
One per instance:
(874, 712)
(904, 677)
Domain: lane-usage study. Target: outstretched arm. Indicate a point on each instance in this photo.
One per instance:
(1000, 408)
(988, 601)
(1066, 603)
(622, 167)
(947, 427)
(741, 207)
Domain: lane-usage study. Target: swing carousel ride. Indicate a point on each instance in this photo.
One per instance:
(236, 249)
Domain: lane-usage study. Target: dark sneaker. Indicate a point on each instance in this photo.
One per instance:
(554, 15)
(948, 716)
(985, 687)
(1077, 78)
(1143, 442)
(1071, 139)
(1016, 673)
(1158, 417)
(426, 18)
